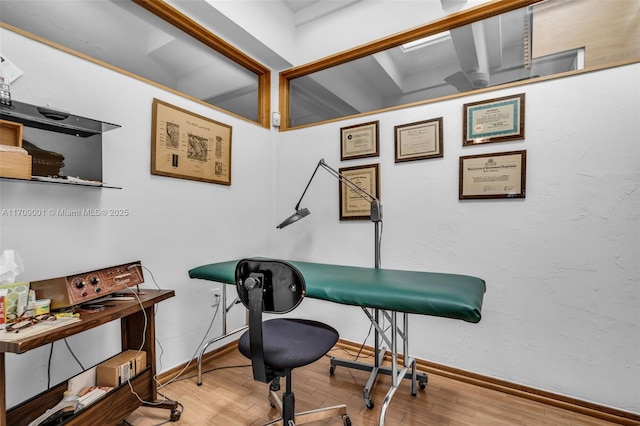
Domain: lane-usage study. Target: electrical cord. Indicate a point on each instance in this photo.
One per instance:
(73, 355)
(150, 273)
(49, 366)
(215, 313)
(51, 357)
(364, 342)
(224, 367)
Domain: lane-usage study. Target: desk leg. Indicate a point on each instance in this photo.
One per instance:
(138, 331)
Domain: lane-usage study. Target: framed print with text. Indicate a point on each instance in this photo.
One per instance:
(493, 120)
(353, 206)
(189, 146)
(419, 140)
(359, 141)
(498, 175)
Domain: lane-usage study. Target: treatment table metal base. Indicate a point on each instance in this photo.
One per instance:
(397, 373)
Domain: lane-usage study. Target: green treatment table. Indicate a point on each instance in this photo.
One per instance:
(382, 294)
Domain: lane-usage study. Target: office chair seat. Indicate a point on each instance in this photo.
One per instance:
(306, 341)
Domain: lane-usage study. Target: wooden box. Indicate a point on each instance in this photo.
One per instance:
(15, 165)
(14, 162)
(10, 133)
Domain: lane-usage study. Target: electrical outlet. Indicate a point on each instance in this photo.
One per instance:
(216, 297)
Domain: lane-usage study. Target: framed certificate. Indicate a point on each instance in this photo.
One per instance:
(353, 206)
(499, 175)
(494, 120)
(189, 146)
(359, 141)
(418, 141)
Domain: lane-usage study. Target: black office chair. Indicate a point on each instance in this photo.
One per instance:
(277, 346)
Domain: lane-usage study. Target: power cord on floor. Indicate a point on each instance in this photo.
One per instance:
(215, 369)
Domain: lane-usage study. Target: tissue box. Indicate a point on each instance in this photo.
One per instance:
(117, 370)
(17, 298)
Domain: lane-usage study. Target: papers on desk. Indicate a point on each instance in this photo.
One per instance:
(40, 327)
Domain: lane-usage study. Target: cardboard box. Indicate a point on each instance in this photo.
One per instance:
(117, 370)
(15, 165)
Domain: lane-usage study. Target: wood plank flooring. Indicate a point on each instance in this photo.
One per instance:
(229, 396)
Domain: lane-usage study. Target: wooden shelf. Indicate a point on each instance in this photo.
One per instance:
(61, 182)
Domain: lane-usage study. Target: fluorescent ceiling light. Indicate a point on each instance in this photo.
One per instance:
(426, 41)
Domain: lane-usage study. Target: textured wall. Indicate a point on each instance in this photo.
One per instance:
(561, 312)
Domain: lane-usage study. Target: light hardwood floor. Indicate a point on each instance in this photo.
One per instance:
(230, 396)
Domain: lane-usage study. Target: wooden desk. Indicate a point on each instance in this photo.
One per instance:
(120, 402)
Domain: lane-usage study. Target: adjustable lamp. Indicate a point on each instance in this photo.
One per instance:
(376, 207)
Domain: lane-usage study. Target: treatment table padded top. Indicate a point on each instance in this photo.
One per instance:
(426, 293)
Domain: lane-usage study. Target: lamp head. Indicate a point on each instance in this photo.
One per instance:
(299, 214)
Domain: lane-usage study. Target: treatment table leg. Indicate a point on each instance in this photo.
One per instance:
(377, 368)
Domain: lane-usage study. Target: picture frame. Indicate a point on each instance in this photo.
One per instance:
(494, 120)
(189, 146)
(353, 206)
(495, 175)
(360, 141)
(419, 141)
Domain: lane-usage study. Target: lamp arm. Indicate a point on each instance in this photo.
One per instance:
(376, 207)
(308, 183)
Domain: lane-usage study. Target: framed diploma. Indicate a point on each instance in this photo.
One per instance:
(499, 175)
(189, 146)
(418, 141)
(494, 120)
(359, 141)
(353, 206)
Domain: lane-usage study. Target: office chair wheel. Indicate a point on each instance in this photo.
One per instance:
(275, 384)
(368, 403)
(346, 421)
(332, 370)
(175, 415)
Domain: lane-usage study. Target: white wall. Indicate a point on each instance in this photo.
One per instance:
(562, 307)
(173, 224)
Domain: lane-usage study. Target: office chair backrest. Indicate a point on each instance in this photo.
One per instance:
(270, 286)
(283, 286)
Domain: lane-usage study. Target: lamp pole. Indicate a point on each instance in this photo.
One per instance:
(376, 206)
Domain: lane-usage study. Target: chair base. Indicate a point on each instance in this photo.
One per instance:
(307, 416)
